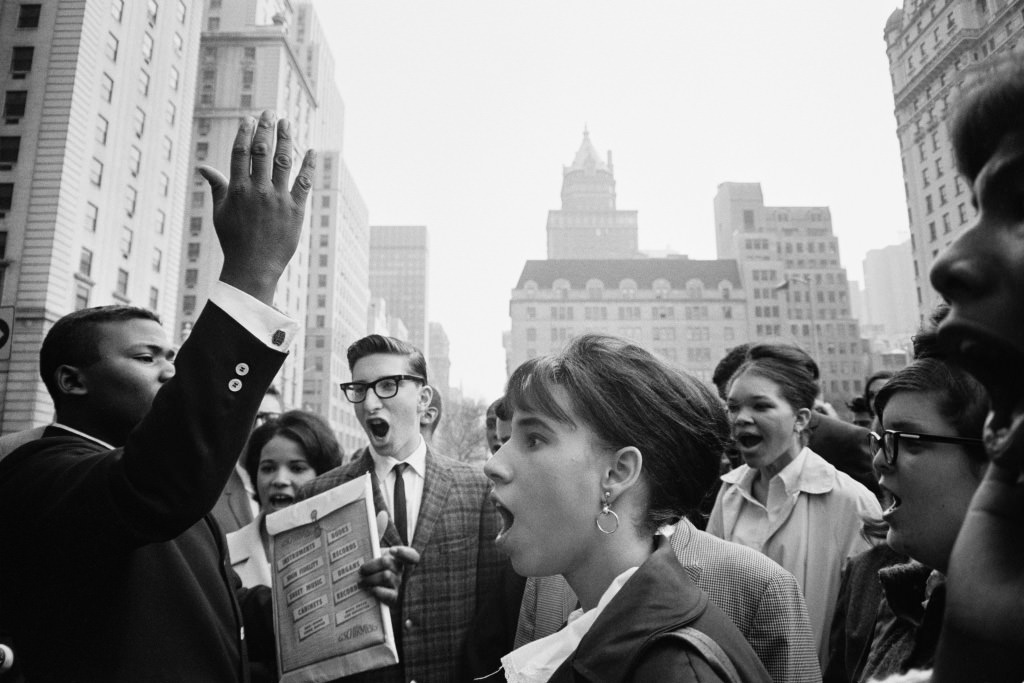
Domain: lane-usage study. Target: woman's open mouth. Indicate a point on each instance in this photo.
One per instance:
(749, 441)
(507, 518)
(280, 500)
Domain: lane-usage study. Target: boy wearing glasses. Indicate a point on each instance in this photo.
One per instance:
(437, 505)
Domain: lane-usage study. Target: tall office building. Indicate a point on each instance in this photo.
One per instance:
(796, 287)
(439, 364)
(932, 45)
(588, 225)
(687, 312)
(97, 98)
(338, 296)
(256, 55)
(399, 259)
(889, 302)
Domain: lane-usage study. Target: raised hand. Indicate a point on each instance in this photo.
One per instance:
(258, 219)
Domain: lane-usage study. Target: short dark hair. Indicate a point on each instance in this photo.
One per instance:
(963, 402)
(989, 109)
(630, 398)
(378, 343)
(310, 431)
(75, 340)
(786, 365)
(502, 410)
(727, 367)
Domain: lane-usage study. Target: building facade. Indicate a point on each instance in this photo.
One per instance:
(933, 45)
(338, 296)
(589, 225)
(890, 306)
(796, 287)
(399, 259)
(439, 364)
(256, 55)
(687, 312)
(97, 99)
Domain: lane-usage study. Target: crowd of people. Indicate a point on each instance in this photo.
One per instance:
(630, 524)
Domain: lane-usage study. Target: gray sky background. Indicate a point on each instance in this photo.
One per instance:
(461, 113)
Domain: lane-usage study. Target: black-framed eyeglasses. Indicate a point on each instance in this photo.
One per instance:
(889, 442)
(384, 387)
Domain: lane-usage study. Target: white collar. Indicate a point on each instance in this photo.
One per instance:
(83, 435)
(383, 464)
(535, 662)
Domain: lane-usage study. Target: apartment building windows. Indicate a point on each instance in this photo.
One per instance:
(171, 113)
(165, 184)
(28, 16)
(147, 48)
(106, 88)
(143, 82)
(117, 10)
(181, 11)
(6, 197)
(168, 148)
(125, 243)
(158, 259)
(139, 121)
(193, 251)
(191, 277)
(160, 222)
(10, 145)
(91, 216)
(134, 160)
(202, 150)
(131, 197)
(81, 296)
(21, 61)
(173, 79)
(14, 105)
(96, 172)
(154, 298)
(195, 225)
(213, 24)
(85, 263)
(121, 288)
(188, 304)
(112, 46)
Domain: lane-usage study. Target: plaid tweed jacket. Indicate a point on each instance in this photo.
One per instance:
(761, 598)
(454, 536)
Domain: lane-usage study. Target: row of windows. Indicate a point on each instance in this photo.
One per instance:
(626, 312)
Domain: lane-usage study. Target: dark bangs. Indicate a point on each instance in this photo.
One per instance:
(530, 389)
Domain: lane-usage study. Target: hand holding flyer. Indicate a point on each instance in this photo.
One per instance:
(327, 624)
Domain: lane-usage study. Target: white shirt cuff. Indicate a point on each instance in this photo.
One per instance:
(267, 324)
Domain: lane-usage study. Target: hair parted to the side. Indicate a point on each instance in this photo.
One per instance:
(787, 366)
(989, 109)
(627, 397)
(377, 343)
(74, 340)
(310, 431)
(962, 400)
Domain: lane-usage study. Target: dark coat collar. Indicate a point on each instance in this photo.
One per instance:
(638, 613)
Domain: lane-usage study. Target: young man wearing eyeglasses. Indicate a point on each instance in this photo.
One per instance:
(437, 505)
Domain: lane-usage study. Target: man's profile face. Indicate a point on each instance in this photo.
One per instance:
(391, 424)
(135, 359)
(982, 277)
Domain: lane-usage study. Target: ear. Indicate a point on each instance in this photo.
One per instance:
(70, 380)
(428, 416)
(426, 393)
(622, 471)
(803, 418)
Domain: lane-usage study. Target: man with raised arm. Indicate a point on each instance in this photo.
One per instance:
(112, 569)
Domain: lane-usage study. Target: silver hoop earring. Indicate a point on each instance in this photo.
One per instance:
(606, 510)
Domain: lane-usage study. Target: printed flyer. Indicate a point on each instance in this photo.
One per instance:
(326, 626)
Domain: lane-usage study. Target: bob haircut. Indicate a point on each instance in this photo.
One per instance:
(627, 397)
(787, 367)
(310, 431)
(989, 110)
(962, 401)
(376, 343)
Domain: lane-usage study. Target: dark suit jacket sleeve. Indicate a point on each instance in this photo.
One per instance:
(175, 462)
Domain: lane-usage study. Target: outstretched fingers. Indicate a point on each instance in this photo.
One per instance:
(240, 159)
(262, 149)
(304, 179)
(283, 156)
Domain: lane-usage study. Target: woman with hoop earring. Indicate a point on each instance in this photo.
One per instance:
(610, 444)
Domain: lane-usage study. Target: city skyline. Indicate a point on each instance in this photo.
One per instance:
(461, 117)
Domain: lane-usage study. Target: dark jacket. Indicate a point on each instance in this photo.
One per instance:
(844, 445)
(111, 569)
(622, 645)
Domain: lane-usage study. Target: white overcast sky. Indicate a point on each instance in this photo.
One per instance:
(461, 113)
